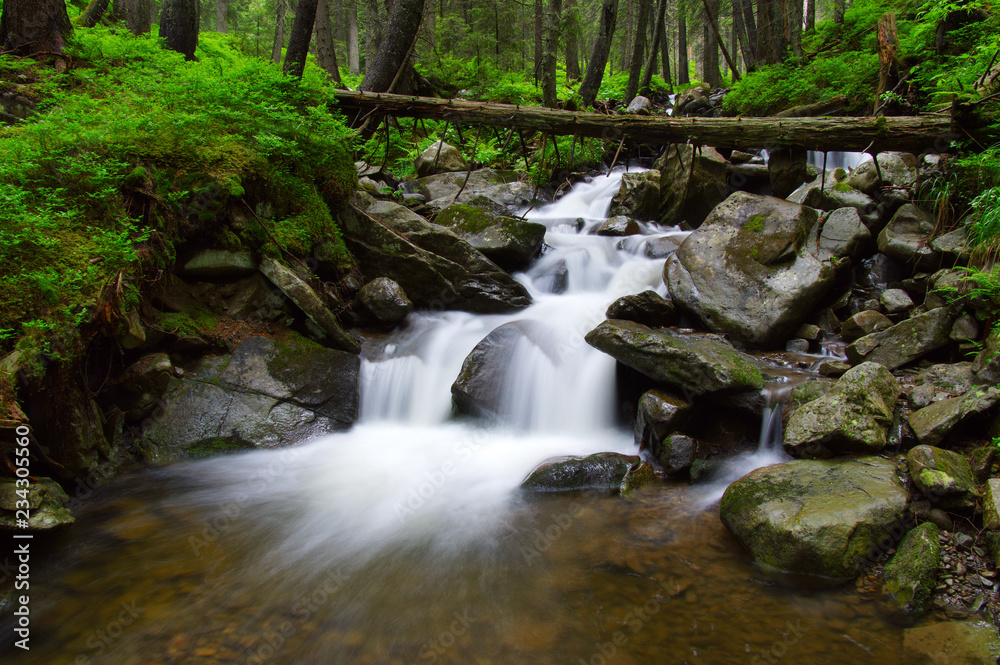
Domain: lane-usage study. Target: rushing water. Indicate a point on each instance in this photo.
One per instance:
(406, 540)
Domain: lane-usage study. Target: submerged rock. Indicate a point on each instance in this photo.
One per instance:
(952, 642)
(609, 472)
(911, 575)
(818, 518)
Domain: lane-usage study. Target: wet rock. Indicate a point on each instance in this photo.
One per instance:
(658, 415)
(864, 323)
(690, 193)
(942, 476)
(142, 385)
(954, 246)
(932, 423)
(648, 308)
(219, 263)
(303, 295)
(440, 157)
(696, 363)
(510, 243)
(609, 472)
(501, 187)
(815, 517)
(965, 328)
(676, 454)
(639, 105)
(986, 366)
(905, 341)
(787, 170)
(906, 238)
(836, 195)
(991, 505)
(797, 346)
(953, 642)
(940, 382)
(899, 170)
(659, 248)
(749, 270)
(256, 299)
(844, 234)
(618, 226)
(911, 575)
(895, 302)
(853, 417)
(385, 301)
(45, 500)
(638, 196)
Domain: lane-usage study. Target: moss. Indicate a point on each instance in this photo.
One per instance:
(466, 218)
(843, 187)
(197, 322)
(755, 223)
(910, 577)
(217, 446)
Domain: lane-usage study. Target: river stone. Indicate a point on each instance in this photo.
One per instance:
(142, 384)
(906, 238)
(837, 195)
(853, 417)
(864, 323)
(911, 575)
(954, 246)
(986, 365)
(618, 226)
(648, 308)
(501, 187)
(942, 476)
(748, 271)
(639, 105)
(439, 157)
(46, 500)
(690, 193)
(676, 453)
(904, 342)
(638, 196)
(609, 472)
(787, 170)
(991, 506)
(816, 517)
(659, 414)
(899, 170)
(659, 248)
(698, 364)
(952, 642)
(510, 243)
(895, 301)
(303, 295)
(219, 263)
(385, 301)
(268, 393)
(940, 382)
(932, 423)
(843, 234)
(452, 275)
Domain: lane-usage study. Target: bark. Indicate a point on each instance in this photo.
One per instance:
(299, 38)
(401, 34)
(539, 40)
(179, 26)
(279, 31)
(810, 15)
(373, 33)
(28, 27)
(353, 55)
(572, 42)
(599, 56)
(665, 52)
(683, 76)
(221, 11)
(888, 57)
(710, 52)
(793, 26)
(907, 134)
(549, 51)
(94, 12)
(638, 51)
(654, 47)
(839, 8)
(742, 35)
(627, 42)
(770, 32)
(750, 25)
(711, 11)
(139, 20)
(326, 53)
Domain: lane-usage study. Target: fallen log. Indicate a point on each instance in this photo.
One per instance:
(909, 134)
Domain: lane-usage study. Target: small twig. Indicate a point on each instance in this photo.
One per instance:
(472, 162)
(617, 152)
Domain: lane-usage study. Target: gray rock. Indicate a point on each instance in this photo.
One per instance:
(699, 364)
(618, 226)
(385, 301)
(676, 453)
(940, 382)
(608, 472)
(864, 323)
(658, 415)
(991, 505)
(954, 246)
(943, 289)
(965, 328)
(749, 270)
(440, 157)
(690, 193)
(836, 195)
(911, 575)
(942, 476)
(510, 243)
(899, 170)
(986, 365)
(659, 248)
(932, 423)
(895, 301)
(952, 642)
(638, 196)
(639, 105)
(219, 263)
(648, 308)
(501, 187)
(787, 170)
(844, 234)
(905, 341)
(257, 300)
(815, 517)
(906, 238)
(46, 501)
(853, 417)
(142, 385)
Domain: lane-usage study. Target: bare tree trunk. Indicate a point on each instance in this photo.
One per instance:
(221, 10)
(539, 41)
(34, 26)
(770, 32)
(326, 52)
(373, 33)
(353, 56)
(711, 11)
(599, 56)
(551, 48)
(94, 12)
(793, 23)
(572, 48)
(179, 26)
(683, 75)
(654, 47)
(138, 20)
(810, 15)
(710, 54)
(839, 9)
(638, 51)
(740, 28)
(627, 41)
(394, 53)
(665, 50)
(279, 31)
(299, 38)
(888, 57)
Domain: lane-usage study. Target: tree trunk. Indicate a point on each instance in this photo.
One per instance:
(665, 51)
(28, 27)
(750, 25)
(539, 41)
(138, 20)
(710, 53)
(221, 10)
(770, 32)
(711, 11)
(810, 15)
(373, 33)
(401, 34)
(599, 56)
(298, 39)
(839, 9)
(793, 25)
(638, 51)
(179, 26)
(326, 53)
(353, 56)
(572, 48)
(742, 36)
(654, 47)
(626, 56)
(94, 12)
(281, 8)
(550, 49)
(683, 75)
(888, 58)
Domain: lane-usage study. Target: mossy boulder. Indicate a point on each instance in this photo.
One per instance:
(658, 415)
(822, 518)
(904, 342)
(510, 243)
(698, 364)
(844, 234)
(853, 417)
(750, 270)
(943, 476)
(638, 196)
(689, 192)
(991, 505)
(607, 472)
(908, 580)
(648, 308)
(46, 503)
(933, 423)
(906, 238)
(385, 301)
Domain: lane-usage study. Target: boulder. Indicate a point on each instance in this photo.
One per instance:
(911, 575)
(944, 287)
(46, 502)
(864, 323)
(941, 382)
(991, 506)
(510, 243)
(688, 194)
(676, 453)
(385, 301)
(749, 270)
(843, 234)
(639, 105)
(898, 169)
(439, 157)
(303, 295)
(906, 238)
(219, 263)
(942, 476)
(648, 308)
(659, 248)
(952, 642)
(853, 417)
(986, 365)
(452, 275)
(142, 385)
(954, 246)
(658, 415)
(834, 195)
(904, 342)
(501, 187)
(608, 472)
(816, 517)
(787, 170)
(895, 301)
(638, 196)
(255, 299)
(268, 393)
(932, 423)
(965, 329)
(618, 226)
(698, 364)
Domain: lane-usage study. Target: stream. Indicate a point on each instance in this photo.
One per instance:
(406, 540)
